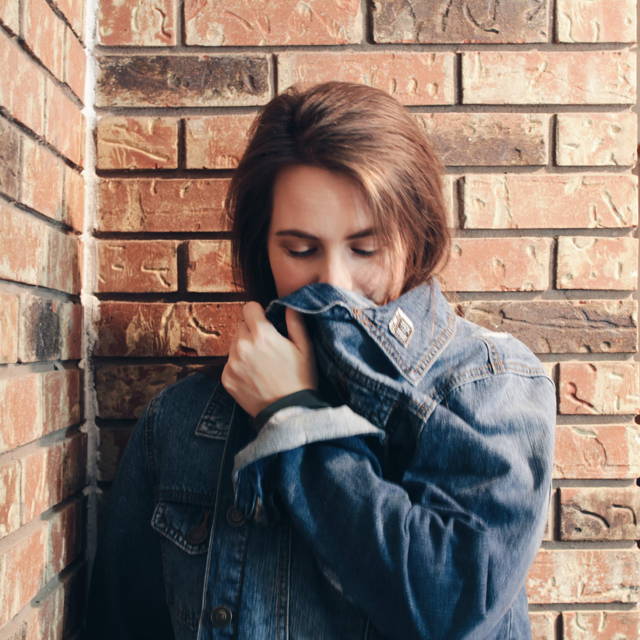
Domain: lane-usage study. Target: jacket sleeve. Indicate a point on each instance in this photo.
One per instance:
(442, 553)
(126, 595)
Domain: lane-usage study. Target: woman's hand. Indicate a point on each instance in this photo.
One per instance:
(263, 365)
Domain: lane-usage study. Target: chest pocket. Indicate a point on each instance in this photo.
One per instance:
(186, 525)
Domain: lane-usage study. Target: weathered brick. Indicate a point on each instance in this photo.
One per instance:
(50, 329)
(61, 399)
(137, 23)
(74, 63)
(584, 576)
(516, 264)
(112, 446)
(43, 33)
(25, 106)
(73, 202)
(66, 539)
(262, 22)
(123, 391)
(598, 452)
(510, 201)
(597, 263)
(159, 329)
(137, 143)
(21, 571)
(412, 78)
(41, 477)
(9, 318)
(561, 326)
(588, 513)
(477, 139)
(216, 142)
(596, 138)
(65, 124)
(10, 15)
(9, 159)
(11, 500)
(183, 81)
(209, 267)
(42, 176)
(74, 464)
(596, 21)
(162, 205)
(599, 388)
(20, 410)
(542, 625)
(603, 625)
(554, 77)
(137, 265)
(74, 12)
(474, 21)
(33, 252)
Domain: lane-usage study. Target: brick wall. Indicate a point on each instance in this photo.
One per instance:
(529, 104)
(42, 448)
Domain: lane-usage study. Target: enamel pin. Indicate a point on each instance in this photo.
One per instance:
(401, 327)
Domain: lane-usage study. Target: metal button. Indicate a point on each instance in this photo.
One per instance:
(199, 532)
(221, 616)
(235, 517)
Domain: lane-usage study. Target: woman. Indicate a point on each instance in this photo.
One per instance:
(366, 464)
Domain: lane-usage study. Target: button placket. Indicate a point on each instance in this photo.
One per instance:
(235, 518)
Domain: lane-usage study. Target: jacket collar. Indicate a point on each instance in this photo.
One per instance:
(411, 330)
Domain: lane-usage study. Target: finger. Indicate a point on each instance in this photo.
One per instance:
(253, 315)
(297, 330)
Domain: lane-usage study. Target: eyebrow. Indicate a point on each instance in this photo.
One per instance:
(297, 233)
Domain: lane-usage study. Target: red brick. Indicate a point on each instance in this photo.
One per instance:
(43, 32)
(597, 452)
(584, 576)
(477, 139)
(209, 267)
(412, 78)
(73, 207)
(74, 464)
(456, 22)
(9, 309)
(183, 81)
(216, 142)
(262, 22)
(65, 124)
(553, 77)
(66, 540)
(61, 399)
(11, 499)
(41, 477)
(596, 21)
(74, 12)
(137, 143)
(603, 625)
(10, 170)
(543, 625)
(516, 264)
(137, 23)
(10, 14)
(597, 263)
(74, 63)
(603, 513)
(42, 173)
(33, 252)
(49, 329)
(599, 388)
(560, 201)
(137, 266)
(25, 106)
(20, 410)
(596, 138)
(123, 391)
(162, 205)
(159, 329)
(22, 567)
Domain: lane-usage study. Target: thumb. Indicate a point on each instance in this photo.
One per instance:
(297, 330)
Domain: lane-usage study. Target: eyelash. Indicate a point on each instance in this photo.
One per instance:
(305, 254)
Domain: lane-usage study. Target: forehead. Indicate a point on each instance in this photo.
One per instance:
(315, 196)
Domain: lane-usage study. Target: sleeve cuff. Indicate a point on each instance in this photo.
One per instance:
(303, 398)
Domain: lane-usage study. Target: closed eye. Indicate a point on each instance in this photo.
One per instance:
(309, 252)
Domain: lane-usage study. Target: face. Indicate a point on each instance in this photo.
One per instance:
(322, 231)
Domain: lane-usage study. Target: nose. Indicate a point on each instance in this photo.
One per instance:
(336, 272)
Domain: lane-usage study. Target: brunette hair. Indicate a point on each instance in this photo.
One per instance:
(357, 131)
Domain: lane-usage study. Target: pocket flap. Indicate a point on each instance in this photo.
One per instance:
(186, 525)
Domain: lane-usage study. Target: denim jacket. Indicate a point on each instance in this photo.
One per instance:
(410, 507)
